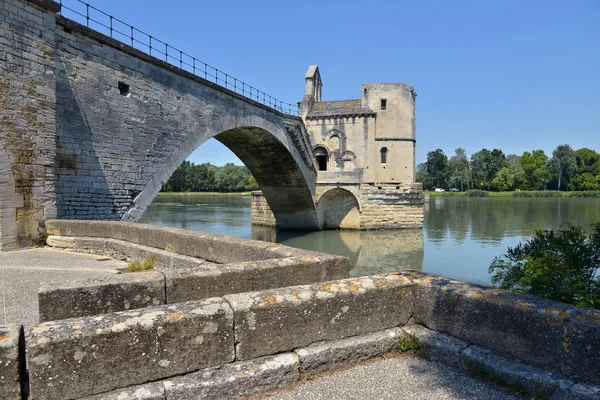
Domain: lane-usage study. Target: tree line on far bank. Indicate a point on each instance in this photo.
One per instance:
(189, 177)
(567, 169)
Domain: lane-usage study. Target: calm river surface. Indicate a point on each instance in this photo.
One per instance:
(460, 237)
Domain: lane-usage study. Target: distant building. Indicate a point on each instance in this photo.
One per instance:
(371, 139)
(365, 151)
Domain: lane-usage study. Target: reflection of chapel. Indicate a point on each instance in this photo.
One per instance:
(367, 140)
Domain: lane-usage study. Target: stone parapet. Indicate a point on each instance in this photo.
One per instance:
(12, 368)
(310, 329)
(247, 265)
(73, 358)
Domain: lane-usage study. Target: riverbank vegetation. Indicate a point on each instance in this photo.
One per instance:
(567, 169)
(521, 193)
(562, 265)
(209, 178)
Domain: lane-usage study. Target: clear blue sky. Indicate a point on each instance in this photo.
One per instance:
(513, 74)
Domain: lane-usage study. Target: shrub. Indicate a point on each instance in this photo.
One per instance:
(410, 342)
(558, 265)
(476, 193)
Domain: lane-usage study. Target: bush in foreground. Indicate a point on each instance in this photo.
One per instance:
(561, 265)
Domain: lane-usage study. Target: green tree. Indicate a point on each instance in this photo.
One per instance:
(231, 178)
(497, 162)
(563, 163)
(511, 176)
(480, 164)
(536, 175)
(561, 265)
(422, 175)
(458, 169)
(588, 170)
(437, 168)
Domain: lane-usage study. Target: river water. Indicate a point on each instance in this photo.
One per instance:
(459, 239)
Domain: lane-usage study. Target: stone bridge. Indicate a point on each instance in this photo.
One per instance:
(91, 128)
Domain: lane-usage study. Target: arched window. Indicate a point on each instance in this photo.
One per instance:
(383, 152)
(322, 157)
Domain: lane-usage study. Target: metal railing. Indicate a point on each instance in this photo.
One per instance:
(89, 16)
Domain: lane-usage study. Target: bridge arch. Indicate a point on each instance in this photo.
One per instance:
(8, 206)
(282, 176)
(339, 208)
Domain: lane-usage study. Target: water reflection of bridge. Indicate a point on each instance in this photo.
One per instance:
(370, 252)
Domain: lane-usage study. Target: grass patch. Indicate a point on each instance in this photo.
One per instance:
(146, 264)
(410, 343)
(204, 193)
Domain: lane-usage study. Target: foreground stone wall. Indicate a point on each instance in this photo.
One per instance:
(546, 347)
(188, 266)
(27, 119)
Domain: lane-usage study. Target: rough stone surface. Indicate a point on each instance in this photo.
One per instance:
(80, 357)
(27, 120)
(539, 332)
(205, 246)
(94, 296)
(440, 347)
(585, 392)
(235, 381)
(10, 362)
(325, 356)
(123, 250)
(219, 280)
(515, 375)
(148, 391)
(284, 319)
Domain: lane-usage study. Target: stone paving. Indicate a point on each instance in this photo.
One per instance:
(404, 378)
(21, 273)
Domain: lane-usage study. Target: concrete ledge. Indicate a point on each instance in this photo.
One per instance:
(219, 280)
(211, 247)
(80, 357)
(236, 381)
(440, 347)
(325, 356)
(11, 368)
(278, 320)
(79, 298)
(522, 378)
(539, 332)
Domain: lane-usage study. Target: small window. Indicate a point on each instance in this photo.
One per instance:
(384, 152)
(383, 104)
(365, 92)
(124, 89)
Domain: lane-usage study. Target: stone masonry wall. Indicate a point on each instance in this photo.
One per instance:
(390, 207)
(27, 119)
(126, 121)
(358, 207)
(261, 212)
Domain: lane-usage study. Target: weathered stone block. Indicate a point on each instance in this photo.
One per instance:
(440, 347)
(514, 375)
(325, 356)
(11, 337)
(218, 280)
(85, 356)
(284, 319)
(585, 392)
(70, 299)
(236, 381)
(539, 332)
(148, 391)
